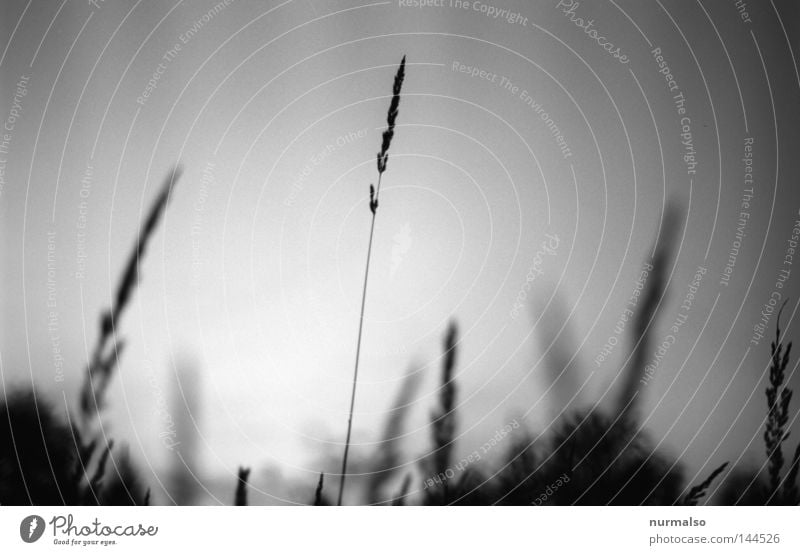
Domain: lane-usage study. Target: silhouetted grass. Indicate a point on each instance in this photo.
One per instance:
(698, 492)
(443, 419)
(319, 500)
(374, 193)
(653, 295)
(39, 464)
(778, 399)
(46, 461)
(604, 458)
(747, 486)
(240, 499)
(122, 484)
(607, 461)
(109, 347)
(400, 499)
(387, 457)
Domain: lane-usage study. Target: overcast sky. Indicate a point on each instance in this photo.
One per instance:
(517, 127)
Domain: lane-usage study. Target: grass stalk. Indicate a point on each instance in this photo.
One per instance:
(383, 157)
(698, 492)
(240, 498)
(778, 398)
(387, 460)
(318, 499)
(104, 358)
(790, 493)
(653, 295)
(443, 419)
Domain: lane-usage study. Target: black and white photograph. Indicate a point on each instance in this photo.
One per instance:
(399, 253)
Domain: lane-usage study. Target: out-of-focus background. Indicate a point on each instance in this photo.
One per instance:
(568, 124)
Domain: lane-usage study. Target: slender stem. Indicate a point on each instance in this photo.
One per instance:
(358, 348)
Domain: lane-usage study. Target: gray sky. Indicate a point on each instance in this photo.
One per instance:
(276, 112)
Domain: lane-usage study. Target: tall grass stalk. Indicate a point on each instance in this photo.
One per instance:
(387, 460)
(653, 295)
(100, 369)
(105, 358)
(400, 498)
(698, 492)
(790, 492)
(318, 499)
(66, 463)
(443, 419)
(374, 193)
(240, 498)
(778, 398)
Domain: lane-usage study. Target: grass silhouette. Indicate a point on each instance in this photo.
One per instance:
(67, 463)
(374, 194)
(443, 421)
(588, 458)
(108, 348)
(749, 486)
(386, 460)
(240, 499)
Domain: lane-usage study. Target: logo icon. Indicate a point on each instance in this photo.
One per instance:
(402, 244)
(31, 528)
